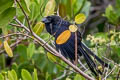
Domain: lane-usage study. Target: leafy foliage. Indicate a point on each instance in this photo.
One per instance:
(31, 61)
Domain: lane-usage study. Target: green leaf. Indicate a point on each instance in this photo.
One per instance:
(62, 10)
(27, 2)
(47, 76)
(5, 4)
(30, 50)
(68, 7)
(86, 8)
(73, 28)
(12, 75)
(78, 5)
(22, 51)
(116, 49)
(7, 16)
(8, 49)
(118, 3)
(26, 75)
(35, 74)
(102, 35)
(1, 77)
(80, 18)
(38, 28)
(34, 10)
(25, 6)
(51, 57)
(117, 8)
(111, 14)
(23, 65)
(5, 30)
(50, 7)
(79, 77)
(45, 36)
(67, 79)
(14, 66)
(65, 8)
(44, 65)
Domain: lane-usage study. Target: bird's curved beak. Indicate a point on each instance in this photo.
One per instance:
(45, 20)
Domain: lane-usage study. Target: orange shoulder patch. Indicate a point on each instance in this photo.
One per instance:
(63, 37)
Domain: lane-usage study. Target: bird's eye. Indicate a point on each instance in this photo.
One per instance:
(49, 18)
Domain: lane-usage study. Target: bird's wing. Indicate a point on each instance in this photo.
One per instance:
(67, 49)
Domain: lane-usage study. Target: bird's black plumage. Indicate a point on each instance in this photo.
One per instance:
(55, 25)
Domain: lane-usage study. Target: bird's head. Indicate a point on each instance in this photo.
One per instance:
(51, 19)
(51, 23)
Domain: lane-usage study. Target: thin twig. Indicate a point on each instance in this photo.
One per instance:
(118, 75)
(11, 35)
(13, 44)
(109, 60)
(76, 60)
(20, 25)
(82, 65)
(25, 16)
(62, 76)
(110, 72)
(15, 3)
(16, 25)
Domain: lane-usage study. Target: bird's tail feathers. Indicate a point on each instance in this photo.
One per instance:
(89, 61)
(96, 57)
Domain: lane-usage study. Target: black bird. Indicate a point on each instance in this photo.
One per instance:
(56, 26)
